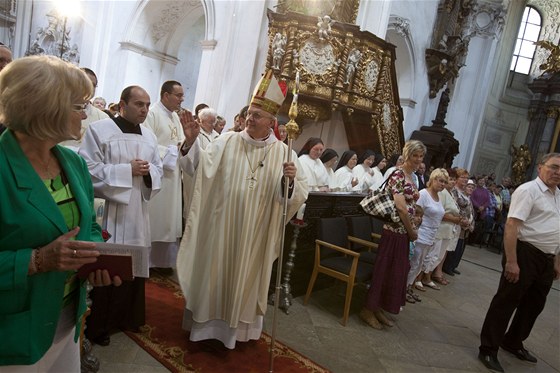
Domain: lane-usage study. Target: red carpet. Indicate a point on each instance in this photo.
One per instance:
(164, 339)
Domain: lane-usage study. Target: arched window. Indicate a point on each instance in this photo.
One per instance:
(526, 37)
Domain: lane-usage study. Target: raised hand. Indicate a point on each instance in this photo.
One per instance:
(191, 128)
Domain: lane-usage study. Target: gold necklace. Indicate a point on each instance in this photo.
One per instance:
(251, 175)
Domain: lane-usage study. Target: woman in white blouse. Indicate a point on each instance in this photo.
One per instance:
(344, 178)
(363, 171)
(312, 167)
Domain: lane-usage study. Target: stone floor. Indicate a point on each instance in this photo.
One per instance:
(439, 334)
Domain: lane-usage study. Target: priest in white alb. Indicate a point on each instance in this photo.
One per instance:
(126, 170)
(234, 226)
(165, 207)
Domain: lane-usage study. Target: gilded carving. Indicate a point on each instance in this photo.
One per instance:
(317, 58)
(549, 29)
(371, 75)
(552, 64)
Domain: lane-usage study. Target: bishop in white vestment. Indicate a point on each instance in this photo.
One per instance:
(234, 227)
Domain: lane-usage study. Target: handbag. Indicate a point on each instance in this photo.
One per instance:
(380, 204)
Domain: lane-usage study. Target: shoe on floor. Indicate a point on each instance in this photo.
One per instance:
(102, 340)
(369, 318)
(410, 299)
(418, 286)
(379, 315)
(450, 273)
(431, 284)
(456, 272)
(491, 362)
(521, 354)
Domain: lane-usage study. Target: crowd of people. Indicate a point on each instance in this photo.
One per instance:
(167, 177)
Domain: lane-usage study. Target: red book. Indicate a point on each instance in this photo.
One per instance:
(117, 265)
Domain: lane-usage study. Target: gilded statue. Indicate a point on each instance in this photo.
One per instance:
(552, 64)
(520, 163)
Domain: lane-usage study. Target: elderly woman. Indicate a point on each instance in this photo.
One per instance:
(387, 291)
(47, 222)
(317, 178)
(446, 236)
(329, 159)
(346, 181)
(433, 213)
(363, 171)
(466, 211)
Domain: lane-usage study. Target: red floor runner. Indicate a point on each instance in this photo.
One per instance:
(164, 339)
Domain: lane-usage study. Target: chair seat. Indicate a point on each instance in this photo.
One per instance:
(343, 265)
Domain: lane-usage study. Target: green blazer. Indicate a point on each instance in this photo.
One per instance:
(29, 218)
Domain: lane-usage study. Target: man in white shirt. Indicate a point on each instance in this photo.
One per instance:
(207, 119)
(531, 262)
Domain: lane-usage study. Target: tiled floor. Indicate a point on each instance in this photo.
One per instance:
(440, 334)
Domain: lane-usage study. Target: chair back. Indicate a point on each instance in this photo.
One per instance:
(360, 227)
(334, 231)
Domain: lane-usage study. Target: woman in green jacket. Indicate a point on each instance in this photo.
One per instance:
(47, 222)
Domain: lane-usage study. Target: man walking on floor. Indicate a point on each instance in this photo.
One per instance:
(531, 262)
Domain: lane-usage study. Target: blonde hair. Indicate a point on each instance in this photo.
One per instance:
(437, 174)
(37, 95)
(411, 147)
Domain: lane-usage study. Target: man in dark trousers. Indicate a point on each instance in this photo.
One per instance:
(531, 262)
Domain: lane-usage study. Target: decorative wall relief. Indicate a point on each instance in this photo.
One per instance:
(550, 10)
(371, 75)
(54, 34)
(450, 42)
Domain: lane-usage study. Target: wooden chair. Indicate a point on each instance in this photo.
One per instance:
(360, 227)
(334, 258)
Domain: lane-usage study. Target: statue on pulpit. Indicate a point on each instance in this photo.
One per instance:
(520, 163)
(278, 50)
(352, 64)
(324, 27)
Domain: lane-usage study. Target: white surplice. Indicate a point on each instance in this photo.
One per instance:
(165, 208)
(108, 153)
(233, 234)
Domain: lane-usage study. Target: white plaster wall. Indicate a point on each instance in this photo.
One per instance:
(422, 15)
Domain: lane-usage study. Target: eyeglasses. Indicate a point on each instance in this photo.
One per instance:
(257, 116)
(80, 108)
(553, 167)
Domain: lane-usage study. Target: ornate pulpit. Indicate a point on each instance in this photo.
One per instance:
(341, 69)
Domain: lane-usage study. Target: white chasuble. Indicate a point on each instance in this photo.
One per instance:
(234, 228)
(108, 153)
(166, 207)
